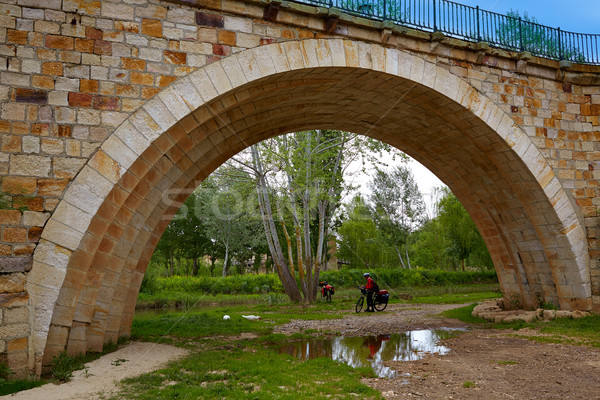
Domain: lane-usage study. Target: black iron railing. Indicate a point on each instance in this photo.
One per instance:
(474, 24)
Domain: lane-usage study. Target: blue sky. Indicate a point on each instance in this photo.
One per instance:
(581, 16)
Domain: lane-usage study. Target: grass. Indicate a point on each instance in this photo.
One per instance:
(581, 331)
(222, 365)
(454, 298)
(210, 322)
(14, 386)
(453, 294)
(246, 370)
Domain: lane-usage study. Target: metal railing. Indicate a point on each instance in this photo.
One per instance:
(474, 24)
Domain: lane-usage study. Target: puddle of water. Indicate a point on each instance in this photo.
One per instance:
(372, 350)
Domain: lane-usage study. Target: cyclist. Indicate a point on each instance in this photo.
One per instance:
(371, 287)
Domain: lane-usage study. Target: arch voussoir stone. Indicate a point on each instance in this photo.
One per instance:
(98, 243)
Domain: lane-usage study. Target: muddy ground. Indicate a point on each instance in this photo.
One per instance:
(483, 364)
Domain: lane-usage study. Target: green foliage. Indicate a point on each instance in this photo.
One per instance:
(5, 371)
(454, 298)
(5, 201)
(507, 362)
(464, 314)
(393, 278)
(14, 386)
(235, 284)
(360, 242)
(469, 384)
(149, 283)
(63, 365)
(524, 32)
(399, 208)
(465, 244)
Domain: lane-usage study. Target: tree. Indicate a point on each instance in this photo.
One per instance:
(299, 181)
(360, 242)
(399, 207)
(230, 223)
(525, 33)
(464, 238)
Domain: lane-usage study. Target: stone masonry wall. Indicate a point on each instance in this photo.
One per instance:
(72, 70)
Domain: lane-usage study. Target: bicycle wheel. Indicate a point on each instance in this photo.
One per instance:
(329, 296)
(379, 306)
(359, 304)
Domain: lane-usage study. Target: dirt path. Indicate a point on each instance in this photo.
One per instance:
(483, 363)
(102, 374)
(396, 318)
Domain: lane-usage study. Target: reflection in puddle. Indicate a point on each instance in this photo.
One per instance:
(372, 350)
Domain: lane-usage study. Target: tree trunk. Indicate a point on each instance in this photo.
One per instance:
(400, 256)
(226, 259)
(195, 268)
(407, 259)
(213, 259)
(264, 203)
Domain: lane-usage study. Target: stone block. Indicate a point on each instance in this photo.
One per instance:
(18, 185)
(152, 27)
(14, 111)
(17, 361)
(14, 330)
(16, 315)
(117, 11)
(61, 234)
(175, 57)
(29, 165)
(72, 216)
(14, 235)
(51, 187)
(12, 282)
(10, 217)
(14, 299)
(59, 42)
(212, 20)
(67, 167)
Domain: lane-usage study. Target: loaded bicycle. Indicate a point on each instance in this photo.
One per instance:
(326, 291)
(380, 299)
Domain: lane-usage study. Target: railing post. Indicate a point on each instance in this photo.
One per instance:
(434, 17)
(384, 9)
(560, 52)
(478, 31)
(521, 34)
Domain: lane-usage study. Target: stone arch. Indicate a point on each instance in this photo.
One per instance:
(94, 250)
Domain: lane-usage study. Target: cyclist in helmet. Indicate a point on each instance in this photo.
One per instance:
(371, 288)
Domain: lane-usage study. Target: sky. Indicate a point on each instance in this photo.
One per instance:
(581, 16)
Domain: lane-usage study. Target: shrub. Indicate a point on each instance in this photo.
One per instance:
(404, 277)
(63, 365)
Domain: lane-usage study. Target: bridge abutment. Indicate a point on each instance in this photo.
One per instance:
(107, 106)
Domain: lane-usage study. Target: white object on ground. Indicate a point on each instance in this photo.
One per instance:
(252, 317)
(226, 317)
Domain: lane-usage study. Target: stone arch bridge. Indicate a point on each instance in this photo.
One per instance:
(106, 106)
